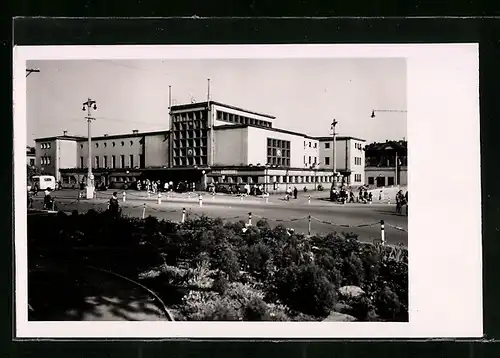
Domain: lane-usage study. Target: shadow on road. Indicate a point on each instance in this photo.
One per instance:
(70, 293)
(389, 212)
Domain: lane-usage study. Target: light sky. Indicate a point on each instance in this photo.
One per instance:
(303, 94)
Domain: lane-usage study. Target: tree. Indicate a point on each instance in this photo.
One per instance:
(31, 171)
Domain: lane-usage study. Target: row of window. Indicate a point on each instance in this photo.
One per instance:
(46, 160)
(188, 116)
(122, 143)
(358, 146)
(237, 119)
(102, 162)
(310, 162)
(380, 181)
(311, 145)
(357, 161)
(281, 179)
(357, 178)
(190, 161)
(45, 145)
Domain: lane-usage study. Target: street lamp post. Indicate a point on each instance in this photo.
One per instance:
(266, 178)
(334, 156)
(89, 105)
(396, 181)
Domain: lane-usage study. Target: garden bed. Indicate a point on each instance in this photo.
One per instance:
(208, 269)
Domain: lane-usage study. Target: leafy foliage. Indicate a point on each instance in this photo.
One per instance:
(209, 269)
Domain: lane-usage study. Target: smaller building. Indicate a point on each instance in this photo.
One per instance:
(30, 156)
(386, 163)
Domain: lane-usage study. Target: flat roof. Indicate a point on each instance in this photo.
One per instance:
(342, 137)
(113, 136)
(235, 126)
(206, 104)
(67, 137)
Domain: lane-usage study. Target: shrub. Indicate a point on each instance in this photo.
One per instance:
(306, 289)
(256, 310)
(388, 305)
(362, 308)
(220, 285)
(353, 270)
(257, 260)
(285, 276)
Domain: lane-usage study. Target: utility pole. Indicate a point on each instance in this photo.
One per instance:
(29, 71)
(396, 181)
(169, 97)
(396, 178)
(89, 105)
(208, 90)
(334, 134)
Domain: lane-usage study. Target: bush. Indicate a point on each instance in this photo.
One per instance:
(388, 305)
(257, 273)
(306, 289)
(362, 308)
(256, 310)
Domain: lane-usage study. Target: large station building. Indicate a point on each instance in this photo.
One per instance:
(207, 142)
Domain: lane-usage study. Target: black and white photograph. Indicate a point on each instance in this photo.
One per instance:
(224, 189)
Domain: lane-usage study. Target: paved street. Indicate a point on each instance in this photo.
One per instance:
(61, 292)
(326, 216)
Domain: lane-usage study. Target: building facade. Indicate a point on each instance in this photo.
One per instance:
(207, 142)
(387, 164)
(30, 156)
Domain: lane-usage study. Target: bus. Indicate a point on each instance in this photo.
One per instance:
(44, 182)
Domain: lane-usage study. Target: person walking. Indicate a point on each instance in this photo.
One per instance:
(295, 192)
(114, 206)
(48, 203)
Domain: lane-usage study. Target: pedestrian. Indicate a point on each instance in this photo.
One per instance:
(165, 186)
(370, 197)
(48, 203)
(30, 201)
(295, 192)
(114, 206)
(139, 185)
(351, 197)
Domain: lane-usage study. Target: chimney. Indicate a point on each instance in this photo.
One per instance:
(65, 133)
(135, 131)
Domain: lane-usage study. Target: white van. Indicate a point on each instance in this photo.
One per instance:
(44, 182)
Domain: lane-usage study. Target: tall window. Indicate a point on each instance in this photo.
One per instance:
(327, 160)
(327, 145)
(82, 162)
(309, 159)
(371, 180)
(105, 161)
(390, 180)
(122, 161)
(113, 161)
(131, 160)
(96, 162)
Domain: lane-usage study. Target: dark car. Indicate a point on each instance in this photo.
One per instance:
(181, 187)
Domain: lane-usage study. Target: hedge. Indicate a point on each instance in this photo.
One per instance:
(209, 269)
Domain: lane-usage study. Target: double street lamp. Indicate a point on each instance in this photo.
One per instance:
(334, 156)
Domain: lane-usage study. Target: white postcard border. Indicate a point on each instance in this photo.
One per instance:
(444, 238)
